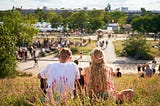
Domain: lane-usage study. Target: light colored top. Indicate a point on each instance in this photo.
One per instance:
(61, 76)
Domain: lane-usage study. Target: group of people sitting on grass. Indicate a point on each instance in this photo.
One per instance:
(148, 70)
(63, 78)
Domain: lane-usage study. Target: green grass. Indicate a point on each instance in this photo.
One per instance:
(24, 91)
(84, 49)
(118, 45)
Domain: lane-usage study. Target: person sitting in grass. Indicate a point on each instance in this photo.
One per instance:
(118, 74)
(61, 76)
(148, 71)
(99, 80)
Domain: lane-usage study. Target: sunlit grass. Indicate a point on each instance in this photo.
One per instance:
(24, 91)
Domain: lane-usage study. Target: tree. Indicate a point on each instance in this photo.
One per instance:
(49, 16)
(96, 23)
(115, 16)
(96, 18)
(79, 20)
(39, 12)
(145, 23)
(19, 28)
(136, 46)
(56, 21)
(96, 14)
(7, 52)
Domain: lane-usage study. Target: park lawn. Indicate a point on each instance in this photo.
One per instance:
(86, 50)
(22, 91)
(118, 45)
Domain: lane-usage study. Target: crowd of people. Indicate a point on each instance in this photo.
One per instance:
(41, 47)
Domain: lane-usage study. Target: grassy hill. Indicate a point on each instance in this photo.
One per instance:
(24, 91)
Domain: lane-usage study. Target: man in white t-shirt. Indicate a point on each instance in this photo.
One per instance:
(61, 76)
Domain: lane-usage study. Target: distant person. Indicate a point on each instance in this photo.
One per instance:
(61, 76)
(143, 67)
(118, 74)
(154, 66)
(139, 68)
(81, 80)
(35, 59)
(154, 59)
(148, 71)
(159, 69)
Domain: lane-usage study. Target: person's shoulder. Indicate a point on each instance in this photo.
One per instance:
(72, 63)
(52, 64)
(109, 68)
(87, 68)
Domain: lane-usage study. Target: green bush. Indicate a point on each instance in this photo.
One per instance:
(7, 52)
(74, 50)
(136, 46)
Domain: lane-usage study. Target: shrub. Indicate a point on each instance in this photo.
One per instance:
(74, 50)
(136, 46)
(7, 54)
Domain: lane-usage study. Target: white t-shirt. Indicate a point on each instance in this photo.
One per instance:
(61, 76)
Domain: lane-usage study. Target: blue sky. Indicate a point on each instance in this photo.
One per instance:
(72, 4)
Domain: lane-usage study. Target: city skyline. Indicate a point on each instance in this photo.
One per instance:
(73, 4)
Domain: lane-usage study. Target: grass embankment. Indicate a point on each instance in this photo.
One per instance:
(118, 45)
(24, 91)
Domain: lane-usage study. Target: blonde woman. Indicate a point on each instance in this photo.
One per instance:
(98, 77)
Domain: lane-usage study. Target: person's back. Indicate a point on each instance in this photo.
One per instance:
(148, 71)
(118, 74)
(61, 76)
(98, 77)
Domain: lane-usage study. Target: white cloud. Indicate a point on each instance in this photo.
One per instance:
(99, 4)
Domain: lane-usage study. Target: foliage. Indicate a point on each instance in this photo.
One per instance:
(147, 23)
(114, 16)
(19, 28)
(79, 20)
(136, 46)
(96, 23)
(56, 21)
(7, 52)
(119, 47)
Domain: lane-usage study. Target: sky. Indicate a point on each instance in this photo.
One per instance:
(73, 4)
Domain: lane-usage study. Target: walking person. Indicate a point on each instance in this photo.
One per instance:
(35, 59)
(154, 67)
(61, 76)
(139, 68)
